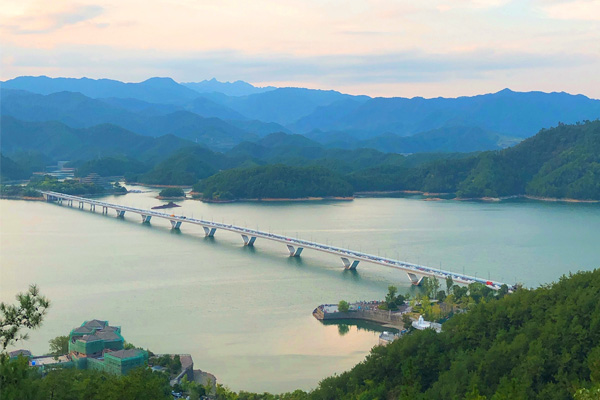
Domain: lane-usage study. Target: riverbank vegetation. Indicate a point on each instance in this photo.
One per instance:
(274, 181)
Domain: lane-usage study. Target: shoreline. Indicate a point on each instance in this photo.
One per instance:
(283, 199)
(435, 197)
(158, 186)
(528, 197)
(170, 198)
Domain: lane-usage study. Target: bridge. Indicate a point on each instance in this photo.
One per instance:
(350, 258)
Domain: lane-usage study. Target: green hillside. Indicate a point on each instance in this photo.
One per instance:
(562, 162)
(533, 344)
(58, 141)
(274, 181)
(10, 170)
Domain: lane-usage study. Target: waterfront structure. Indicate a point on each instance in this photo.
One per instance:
(97, 345)
(421, 324)
(366, 311)
(386, 337)
(350, 258)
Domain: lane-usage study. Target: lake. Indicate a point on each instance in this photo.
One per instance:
(245, 313)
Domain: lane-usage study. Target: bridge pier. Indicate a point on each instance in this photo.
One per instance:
(248, 241)
(146, 218)
(120, 213)
(415, 280)
(209, 232)
(104, 210)
(93, 207)
(294, 252)
(175, 224)
(350, 265)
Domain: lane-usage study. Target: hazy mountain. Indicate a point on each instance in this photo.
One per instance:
(285, 105)
(79, 111)
(508, 113)
(153, 90)
(237, 88)
(61, 142)
(459, 139)
(258, 127)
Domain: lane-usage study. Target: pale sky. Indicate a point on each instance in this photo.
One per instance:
(402, 48)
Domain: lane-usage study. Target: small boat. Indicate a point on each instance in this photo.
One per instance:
(168, 205)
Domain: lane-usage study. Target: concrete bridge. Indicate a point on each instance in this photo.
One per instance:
(350, 258)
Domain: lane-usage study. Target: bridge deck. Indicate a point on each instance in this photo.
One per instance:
(418, 270)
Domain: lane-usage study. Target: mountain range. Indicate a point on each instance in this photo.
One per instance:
(221, 115)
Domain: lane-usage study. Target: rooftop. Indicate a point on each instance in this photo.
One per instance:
(125, 353)
(106, 334)
(83, 329)
(89, 338)
(95, 323)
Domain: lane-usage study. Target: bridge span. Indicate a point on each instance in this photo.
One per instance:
(350, 258)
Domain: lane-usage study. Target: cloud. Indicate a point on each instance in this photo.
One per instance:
(404, 66)
(585, 10)
(53, 20)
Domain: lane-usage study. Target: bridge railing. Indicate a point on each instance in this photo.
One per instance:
(420, 270)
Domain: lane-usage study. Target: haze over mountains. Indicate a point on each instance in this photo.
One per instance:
(222, 115)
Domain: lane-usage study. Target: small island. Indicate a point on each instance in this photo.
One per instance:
(171, 193)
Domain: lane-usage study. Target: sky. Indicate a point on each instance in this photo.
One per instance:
(386, 48)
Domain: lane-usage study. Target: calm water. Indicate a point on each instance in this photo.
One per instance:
(245, 314)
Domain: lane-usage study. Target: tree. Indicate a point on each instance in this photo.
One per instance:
(400, 300)
(172, 192)
(406, 321)
(391, 295)
(28, 313)
(449, 284)
(59, 345)
(343, 306)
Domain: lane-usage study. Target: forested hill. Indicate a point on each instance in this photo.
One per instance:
(562, 162)
(274, 181)
(534, 344)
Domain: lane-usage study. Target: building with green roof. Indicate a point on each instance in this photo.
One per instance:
(99, 346)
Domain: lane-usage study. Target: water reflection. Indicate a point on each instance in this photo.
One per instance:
(344, 325)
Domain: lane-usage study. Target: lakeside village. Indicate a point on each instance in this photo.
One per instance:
(98, 346)
(428, 309)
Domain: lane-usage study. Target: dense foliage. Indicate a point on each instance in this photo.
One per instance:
(10, 170)
(274, 181)
(18, 381)
(533, 344)
(563, 162)
(68, 186)
(172, 192)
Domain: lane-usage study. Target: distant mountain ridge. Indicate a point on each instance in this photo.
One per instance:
(153, 90)
(223, 114)
(237, 88)
(514, 114)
